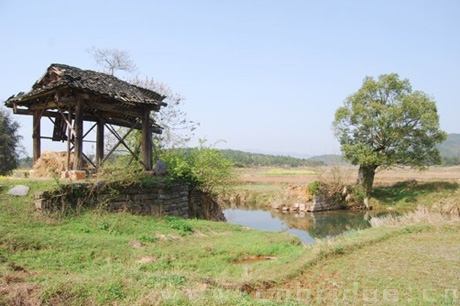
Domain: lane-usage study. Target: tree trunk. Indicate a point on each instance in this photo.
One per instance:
(366, 176)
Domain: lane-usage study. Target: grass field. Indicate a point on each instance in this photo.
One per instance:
(98, 258)
(418, 267)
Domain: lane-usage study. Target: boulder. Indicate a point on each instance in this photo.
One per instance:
(19, 190)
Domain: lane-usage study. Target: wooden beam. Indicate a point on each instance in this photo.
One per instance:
(78, 130)
(94, 118)
(36, 134)
(146, 141)
(121, 140)
(100, 142)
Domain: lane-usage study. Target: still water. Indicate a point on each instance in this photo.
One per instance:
(307, 226)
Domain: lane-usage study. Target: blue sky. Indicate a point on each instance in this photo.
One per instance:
(263, 76)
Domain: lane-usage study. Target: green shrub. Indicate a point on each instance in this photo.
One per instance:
(202, 168)
(313, 188)
(180, 224)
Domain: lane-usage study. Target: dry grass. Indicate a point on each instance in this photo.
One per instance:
(416, 264)
(51, 163)
(349, 175)
(450, 205)
(421, 216)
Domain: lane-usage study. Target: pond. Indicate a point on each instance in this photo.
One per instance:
(307, 226)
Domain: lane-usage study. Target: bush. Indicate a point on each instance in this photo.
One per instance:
(332, 186)
(202, 168)
(313, 188)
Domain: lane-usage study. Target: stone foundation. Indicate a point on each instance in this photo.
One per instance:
(156, 198)
(319, 204)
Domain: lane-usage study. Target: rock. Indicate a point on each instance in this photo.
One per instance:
(160, 168)
(19, 190)
(38, 204)
(302, 207)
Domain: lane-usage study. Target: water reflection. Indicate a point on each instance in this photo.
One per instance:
(307, 226)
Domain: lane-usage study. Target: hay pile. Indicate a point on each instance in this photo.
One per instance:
(449, 205)
(51, 164)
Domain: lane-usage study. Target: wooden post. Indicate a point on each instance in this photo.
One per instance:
(146, 141)
(36, 134)
(78, 144)
(99, 142)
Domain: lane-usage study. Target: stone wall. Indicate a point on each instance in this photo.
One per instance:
(155, 198)
(320, 204)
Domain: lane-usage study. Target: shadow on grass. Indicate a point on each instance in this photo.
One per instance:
(410, 191)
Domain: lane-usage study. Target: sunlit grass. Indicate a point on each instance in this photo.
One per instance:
(105, 258)
(102, 258)
(279, 171)
(407, 195)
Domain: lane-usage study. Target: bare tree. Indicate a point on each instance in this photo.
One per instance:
(111, 60)
(177, 128)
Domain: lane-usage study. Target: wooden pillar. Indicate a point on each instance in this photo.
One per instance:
(36, 134)
(78, 143)
(146, 141)
(99, 142)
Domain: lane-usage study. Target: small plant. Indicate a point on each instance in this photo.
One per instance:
(147, 238)
(114, 291)
(313, 188)
(181, 225)
(104, 226)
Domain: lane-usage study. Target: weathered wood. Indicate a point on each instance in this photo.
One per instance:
(146, 141)
(100, 142)
(36, 134)
(78, 128)
(72, 96)
(69, 132)
(93, 118)
(120, 141)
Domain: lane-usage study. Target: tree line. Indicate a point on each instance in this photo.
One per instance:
(246, 159)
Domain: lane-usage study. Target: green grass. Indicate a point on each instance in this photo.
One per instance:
(104, 259)
(425, 273)
(120, 258)
(407, 195)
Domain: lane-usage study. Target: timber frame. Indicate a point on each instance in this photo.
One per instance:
(68, 96)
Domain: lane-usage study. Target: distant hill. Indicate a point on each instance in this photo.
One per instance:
(451, 146)
(329, 160)
(450, 150)
(246, 159)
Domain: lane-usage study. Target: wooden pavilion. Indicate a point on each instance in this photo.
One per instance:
(68, 96)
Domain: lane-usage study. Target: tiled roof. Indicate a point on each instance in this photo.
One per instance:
(87, 81)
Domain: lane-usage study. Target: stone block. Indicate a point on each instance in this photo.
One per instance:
(38, 204)
(74, 175)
